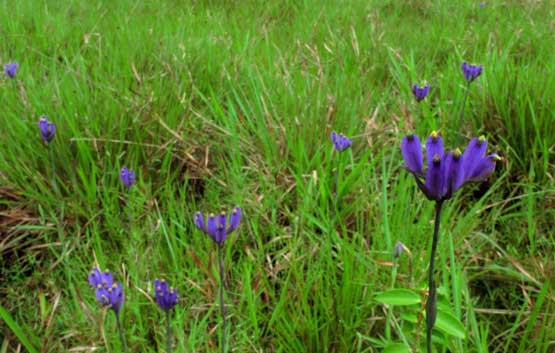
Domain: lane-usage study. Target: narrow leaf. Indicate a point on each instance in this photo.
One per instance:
(398, 297)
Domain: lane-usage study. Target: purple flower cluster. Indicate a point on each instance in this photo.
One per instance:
(108, 292)
(217, 226)
(10, 69)
(446, 172)
(420, 92)
(127, 177)
(47, 129)
(340, 141)
(166, 297)
(471, 72)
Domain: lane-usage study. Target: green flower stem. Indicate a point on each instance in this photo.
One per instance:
(120, 330)
(431, 302)
(53, 169)
(222, 304)
(168, 333)
(458, 132)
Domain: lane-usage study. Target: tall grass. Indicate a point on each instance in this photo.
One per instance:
(223, 103)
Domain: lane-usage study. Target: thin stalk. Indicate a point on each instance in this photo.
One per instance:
(431, 302)
(53, 168)
(336, 333)
(335, 197)
(461, 116)
(15, 88)
(390, 308)
(129, 210)
(222, 304)
(168, 333)
(120, 330)
(331, 262)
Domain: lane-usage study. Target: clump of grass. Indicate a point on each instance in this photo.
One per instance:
(217, 96)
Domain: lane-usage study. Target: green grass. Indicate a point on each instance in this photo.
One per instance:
(224, 103)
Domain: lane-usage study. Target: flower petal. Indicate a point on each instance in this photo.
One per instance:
(116, 297)
(473, 154)
(212, 227)
(234, 219)
(222, 225)
(411, 149)
(434, 146)
(435, 178)
(95, 277)
(483, 168)
(199, 221)
(333, 137)
(454, 172)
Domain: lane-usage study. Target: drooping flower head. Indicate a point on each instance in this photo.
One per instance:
(108, 292)
(446, 172)
(340, 141)
(127, 177)
(166, 297)
(471, 72)
(10, 69)
(398, 249)
(420, 92)
(217, 226)
(47, 129)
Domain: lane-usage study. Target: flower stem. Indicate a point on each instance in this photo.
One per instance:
(53, 168)
(120, 330)
(222, 304)
(461, 116)
(168, 333)
(335, 210)
(431, 302)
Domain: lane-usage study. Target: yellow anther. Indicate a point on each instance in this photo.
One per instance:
(457, 153)
(434, 135)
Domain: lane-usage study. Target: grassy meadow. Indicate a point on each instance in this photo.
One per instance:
(218, 103)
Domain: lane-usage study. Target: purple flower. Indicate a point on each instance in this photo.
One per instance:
(446, 172)
(216, 226)
(420, 92)
(96, 277)
(398, 249)
(10, 69)
(471, 72)
(166, 297)
(127, 177)
(108, 292)
(340, 141)
(47, 129)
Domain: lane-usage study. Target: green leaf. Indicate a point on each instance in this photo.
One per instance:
(450, 325)
(398, 297)
(17, 330)
(396, 348)
(410, 317)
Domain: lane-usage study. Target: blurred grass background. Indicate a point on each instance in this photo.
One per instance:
(224, 103)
